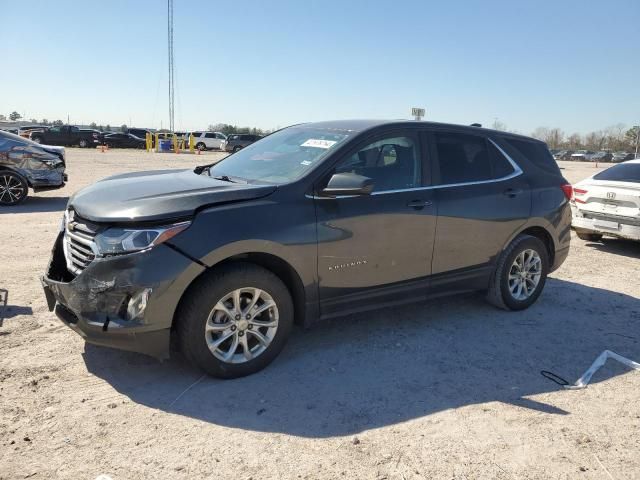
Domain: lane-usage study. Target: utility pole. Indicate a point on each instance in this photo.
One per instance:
(637, 127)
(170, 35)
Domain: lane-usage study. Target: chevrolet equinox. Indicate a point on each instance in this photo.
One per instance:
(311, 222)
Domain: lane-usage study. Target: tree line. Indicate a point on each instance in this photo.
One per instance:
(229, 129)
(615, 138)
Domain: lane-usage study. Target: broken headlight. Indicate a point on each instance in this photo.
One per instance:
(114, 241)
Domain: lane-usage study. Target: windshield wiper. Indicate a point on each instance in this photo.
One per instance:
(224, 178)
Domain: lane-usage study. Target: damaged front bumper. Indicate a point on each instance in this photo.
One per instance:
(126, 301)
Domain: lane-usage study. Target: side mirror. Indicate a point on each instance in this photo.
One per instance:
(348, 184)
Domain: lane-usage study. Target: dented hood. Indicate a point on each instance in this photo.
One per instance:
(158, 195)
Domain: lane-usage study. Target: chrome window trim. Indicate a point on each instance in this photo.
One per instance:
(517, 171)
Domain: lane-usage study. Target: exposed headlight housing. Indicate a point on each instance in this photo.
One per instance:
(115, 241)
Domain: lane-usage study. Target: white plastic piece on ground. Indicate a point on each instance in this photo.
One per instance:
(583, 381)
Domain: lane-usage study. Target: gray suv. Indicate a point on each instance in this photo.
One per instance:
(312, 222)
(238, 141)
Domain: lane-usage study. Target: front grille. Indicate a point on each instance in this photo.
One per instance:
(79, 245)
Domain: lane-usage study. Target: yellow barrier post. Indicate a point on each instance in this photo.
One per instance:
(176, 146)
(157, 142)
(191, 143)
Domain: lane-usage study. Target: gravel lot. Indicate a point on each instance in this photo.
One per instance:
(447, 389)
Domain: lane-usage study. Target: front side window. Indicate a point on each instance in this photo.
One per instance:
(392, 163)
(281, 157)
(210, 135)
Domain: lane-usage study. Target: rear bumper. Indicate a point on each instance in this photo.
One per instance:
(125, 302)
(613, 226)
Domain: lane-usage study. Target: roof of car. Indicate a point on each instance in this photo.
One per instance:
(367, 124)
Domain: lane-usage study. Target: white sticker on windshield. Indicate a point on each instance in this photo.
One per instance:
(305, 162)
(317, 143)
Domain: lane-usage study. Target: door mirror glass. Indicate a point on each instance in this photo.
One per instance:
(348, 184)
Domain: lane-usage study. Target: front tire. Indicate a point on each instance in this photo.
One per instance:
(13, 188)
(201, 146)
(589, 237)
(235, 321)
(37, 139)
(237, 148)
(520, 274)
(83, 143)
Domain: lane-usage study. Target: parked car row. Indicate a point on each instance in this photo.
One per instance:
(592, 156)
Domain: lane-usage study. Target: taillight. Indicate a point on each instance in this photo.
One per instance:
(578, 192)
(568, 191)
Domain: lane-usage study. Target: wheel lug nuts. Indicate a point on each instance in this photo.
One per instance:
(233, 328)
(241, 333)
(250, 327)
(238, 317)
(248, 317)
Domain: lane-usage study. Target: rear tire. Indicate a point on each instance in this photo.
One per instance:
(83, 143)
(37, 139)
(13, 188)
(201, 146)
(215, 327)
(237, 148)
(520, 274)
(589, 237)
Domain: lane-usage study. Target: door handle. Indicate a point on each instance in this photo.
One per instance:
(418, 204)
(512, 192)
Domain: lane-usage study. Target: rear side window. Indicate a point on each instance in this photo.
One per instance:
(623, 172)
(466, 158)
(535, 152)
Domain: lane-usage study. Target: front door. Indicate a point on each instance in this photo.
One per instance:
(377, 248)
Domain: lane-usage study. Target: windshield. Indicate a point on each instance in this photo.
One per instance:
(281, 157)
(624, 172)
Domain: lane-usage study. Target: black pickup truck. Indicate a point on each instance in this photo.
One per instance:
(67, 135)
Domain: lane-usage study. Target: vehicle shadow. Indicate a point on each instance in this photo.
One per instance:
(394, 365)
(617, 246)
(35, 204)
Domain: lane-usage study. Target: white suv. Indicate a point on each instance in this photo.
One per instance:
(208, 140)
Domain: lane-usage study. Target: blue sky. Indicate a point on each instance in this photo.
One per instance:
(572, 64)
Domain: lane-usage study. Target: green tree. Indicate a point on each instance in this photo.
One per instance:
(44, 121)
(93, 125)
(108, 128)
(14, 116)
(2, 117)
(58, 123)
(631, 137)
(123, 128)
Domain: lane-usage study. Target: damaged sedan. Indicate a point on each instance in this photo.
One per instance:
(309, 223)
(25, 164)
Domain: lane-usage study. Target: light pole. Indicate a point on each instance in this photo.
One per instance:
(637, 127)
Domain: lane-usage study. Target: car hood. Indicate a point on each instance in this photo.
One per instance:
(158, 195)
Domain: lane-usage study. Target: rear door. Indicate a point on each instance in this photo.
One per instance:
(211, 141)
(482, 199)
(377, 248)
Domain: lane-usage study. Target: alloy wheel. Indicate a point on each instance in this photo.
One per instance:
(241, 325)
(12, 189)
(525, 274)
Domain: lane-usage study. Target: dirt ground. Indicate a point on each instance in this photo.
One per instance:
(448, 389)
